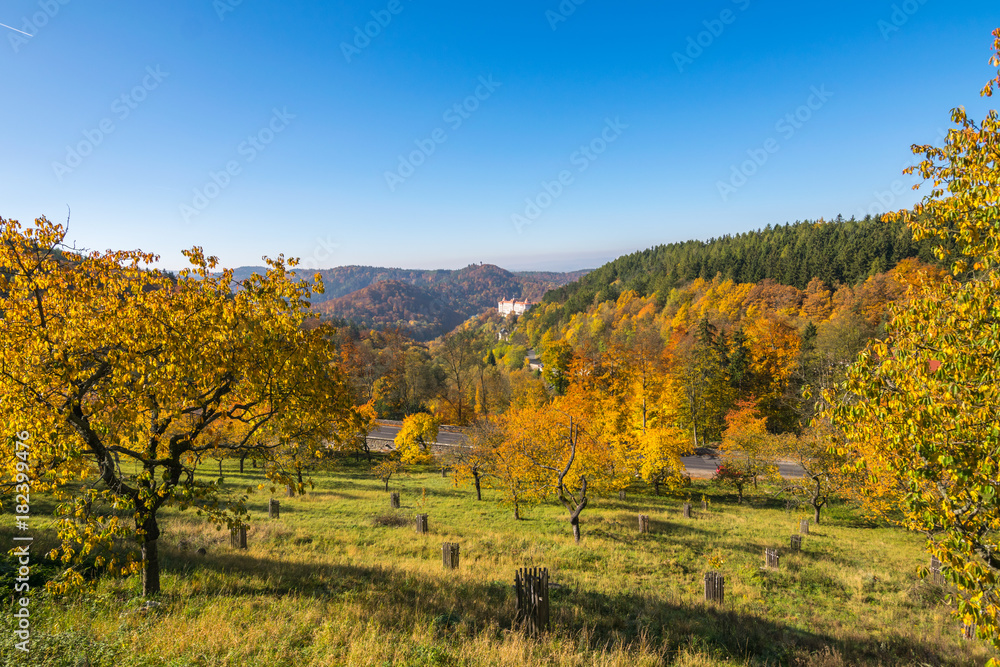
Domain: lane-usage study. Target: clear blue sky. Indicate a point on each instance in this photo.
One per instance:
(200, 79)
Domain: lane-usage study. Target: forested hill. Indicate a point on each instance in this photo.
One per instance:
(426, 304)
(837, 252)
(477, 281)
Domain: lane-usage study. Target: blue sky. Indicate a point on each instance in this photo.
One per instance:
(583, 131)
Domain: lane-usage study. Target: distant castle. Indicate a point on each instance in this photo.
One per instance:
(513, 307)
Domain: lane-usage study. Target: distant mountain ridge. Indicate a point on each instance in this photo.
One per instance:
(424, 303)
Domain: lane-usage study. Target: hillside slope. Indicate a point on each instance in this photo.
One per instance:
(838, 252)
(426, 304)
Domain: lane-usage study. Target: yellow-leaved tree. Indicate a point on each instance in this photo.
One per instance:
(123, 375)
(415, 438)
(921, 408)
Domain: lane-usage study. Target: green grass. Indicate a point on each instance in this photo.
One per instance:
(325, 585)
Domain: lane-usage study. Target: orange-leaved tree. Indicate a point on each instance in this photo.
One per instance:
(747, 449)
(561, 445)
(123, 375)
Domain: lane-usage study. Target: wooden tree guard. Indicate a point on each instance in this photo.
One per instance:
(643, 523)
(622, 495)
(421, 523)
(771, 558)
(804, 526)
(290, 490)
(273, 509)
(704, 506)
(238, 537)
(532, 587)
(715, 587)
(394, 500)
(796, 543)
(687, 510)
(449, 554)
(936, 575)
(968, 632)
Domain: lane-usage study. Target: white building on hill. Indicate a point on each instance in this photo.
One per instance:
(513, 307)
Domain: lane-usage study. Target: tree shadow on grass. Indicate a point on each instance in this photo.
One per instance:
(400, 600)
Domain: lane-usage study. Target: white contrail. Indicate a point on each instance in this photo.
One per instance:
(16, 30)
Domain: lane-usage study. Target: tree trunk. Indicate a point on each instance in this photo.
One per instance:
(656, 485)
(816, 502)
(386, 483)
(243, 458)
(150, 558)
(575, 522)
(739, 494)
(479, 486)
(517, 512)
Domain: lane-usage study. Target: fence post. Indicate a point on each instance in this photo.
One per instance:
(532, 587)
(273, 509)
(421, 523)
(394, 500)
(687, 510)
(796, 543)
(449, 554)
(238, 537)
(771, 558)
(643, 523)
(936, 575)
(715, 587)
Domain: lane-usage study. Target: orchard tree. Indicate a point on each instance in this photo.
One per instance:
(560, 448)
(415, 438)
(921, 408)
(747, 448)
(113, 367)
(477, 461)
(387, 469)
(816, 453)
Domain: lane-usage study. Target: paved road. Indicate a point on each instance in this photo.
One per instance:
(704, 466)
(697, 466)
(386, 433)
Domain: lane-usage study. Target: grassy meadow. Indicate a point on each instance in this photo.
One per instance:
(335, 582)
